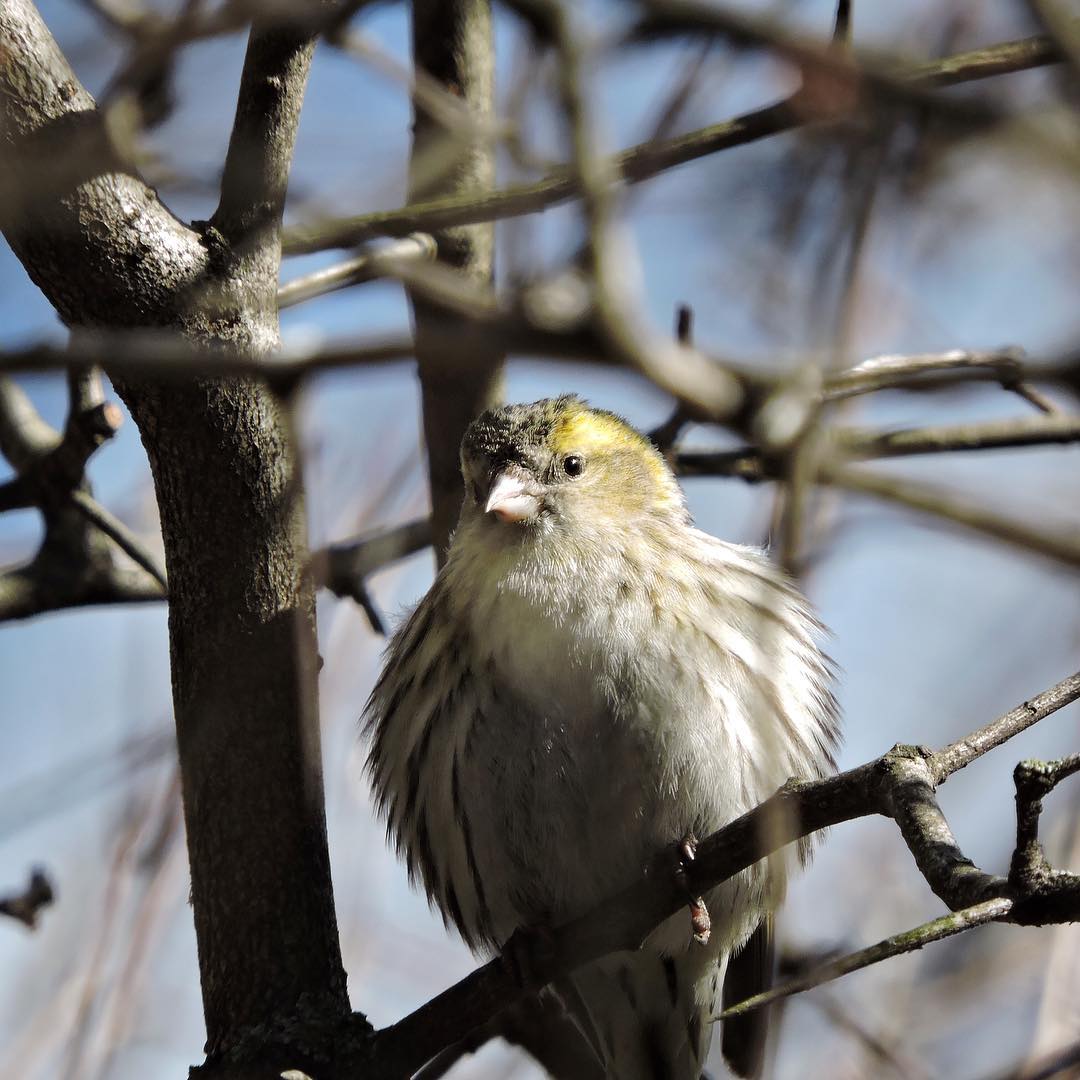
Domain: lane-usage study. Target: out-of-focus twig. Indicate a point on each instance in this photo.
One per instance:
(988, 435)
(643, 161)
(954, 507)
(665, 435)
(755, 465)
(1063, 1064)
(453, 46)
(73, 566)
(344, 568)
(120, 534)
(27, 905)
(895, 371)
(367, 266)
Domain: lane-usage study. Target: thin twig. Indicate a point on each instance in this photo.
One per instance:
(27, 905)
(643, 161)
(367, 266)
(953, 507)
(946, 926)
(120, 534)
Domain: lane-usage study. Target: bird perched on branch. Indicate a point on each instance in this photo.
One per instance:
(591, 680)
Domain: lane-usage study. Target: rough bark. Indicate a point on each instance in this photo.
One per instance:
(106, 253)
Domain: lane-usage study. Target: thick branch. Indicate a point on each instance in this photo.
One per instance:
(256, 175)
(90, 234)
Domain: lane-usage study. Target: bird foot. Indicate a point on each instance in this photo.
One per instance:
(700, 922)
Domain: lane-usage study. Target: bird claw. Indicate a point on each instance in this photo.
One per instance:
(700, 922)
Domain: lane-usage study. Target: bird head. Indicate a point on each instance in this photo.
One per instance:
(559, 465)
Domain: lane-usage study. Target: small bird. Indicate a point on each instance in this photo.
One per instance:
(591, 680)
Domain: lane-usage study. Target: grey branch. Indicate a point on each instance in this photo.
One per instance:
(942, 862)
(897, 372)
(949, 506)
(946, 926)
(644, 160)
(753, 464)
(344, 568)
(73, 567)
(26, 906)
(387, 260)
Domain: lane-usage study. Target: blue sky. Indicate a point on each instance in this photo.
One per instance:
(936, 631)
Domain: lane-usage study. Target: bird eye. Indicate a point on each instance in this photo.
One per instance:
(573, 464)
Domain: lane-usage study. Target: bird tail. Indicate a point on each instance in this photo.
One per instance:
(648, 1016)
(749, 972)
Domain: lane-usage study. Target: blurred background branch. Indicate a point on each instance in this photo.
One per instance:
(875, 191)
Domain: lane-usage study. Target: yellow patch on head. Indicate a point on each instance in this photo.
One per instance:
(591, 431)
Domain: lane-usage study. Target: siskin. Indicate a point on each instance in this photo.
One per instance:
(589, 680)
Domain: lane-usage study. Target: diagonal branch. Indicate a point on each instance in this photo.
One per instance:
(946, 926)
(25, 906)
(644, 160)
(74, 566)
(256, 174)
(344, 568)
(366, 266)
(1062, 545)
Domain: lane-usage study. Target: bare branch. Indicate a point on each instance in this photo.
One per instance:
(901, 372)
(256, 174)
(1040, 431)
(117, 531)
(950, 506)
(645, 160)
(38, 588)
(344, 568)
(1034, 781)
(958, 755)
(73, 567)
(27, 905)
(453, 47)
(388, 260)
(956, 922)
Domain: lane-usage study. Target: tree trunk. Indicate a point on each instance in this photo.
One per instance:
(241, 612)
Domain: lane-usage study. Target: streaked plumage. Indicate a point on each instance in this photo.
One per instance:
(585, 683)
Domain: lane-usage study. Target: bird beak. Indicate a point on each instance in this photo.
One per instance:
(512, 498)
